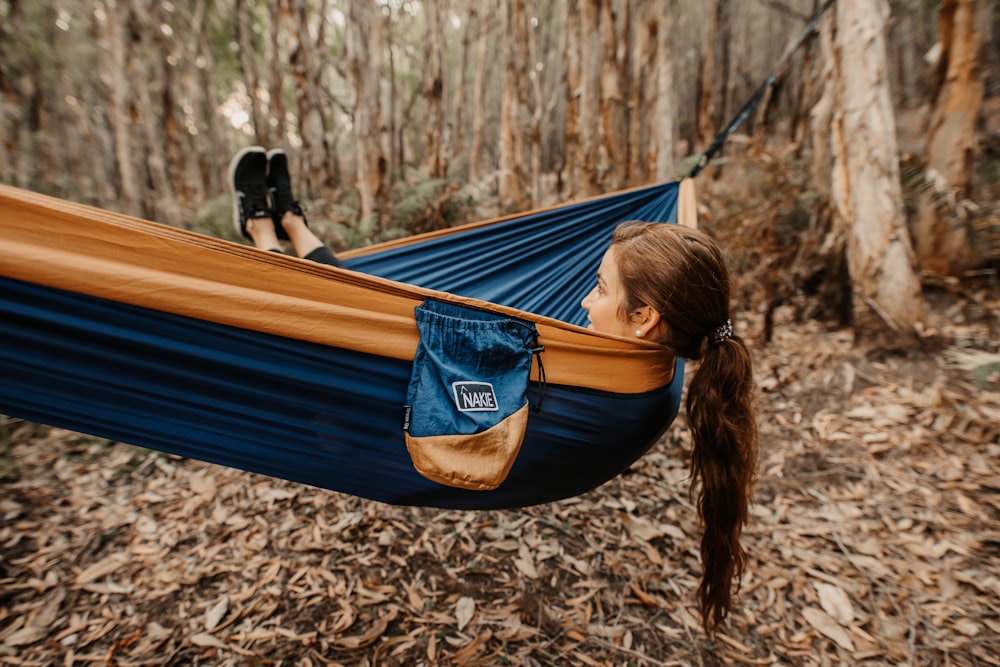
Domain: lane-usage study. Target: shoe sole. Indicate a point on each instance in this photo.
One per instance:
(232, 186)
(279, 229)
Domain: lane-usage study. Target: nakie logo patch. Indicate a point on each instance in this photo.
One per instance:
(475, 397)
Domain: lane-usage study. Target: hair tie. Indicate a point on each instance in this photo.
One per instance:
(721, 333)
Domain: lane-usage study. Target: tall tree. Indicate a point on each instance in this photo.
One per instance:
(663, 124)
(119, 27)
(651, 98)
(159, 124)
(306, 60)
(203, 98)
(572, 50)
(544, 98)
(276, 57)
(855, 139)
(394, 150)
(613, 132)
(940, 233)
(478, 96)
(589, 109)
(247, 47)
(514, 190)
(460, 101)
(197, 160)
(714, 79)
(364, 53)
(435, 164)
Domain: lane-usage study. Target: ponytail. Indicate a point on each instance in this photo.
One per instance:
(681, 273)
(723, 459)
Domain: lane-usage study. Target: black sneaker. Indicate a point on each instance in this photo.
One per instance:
(279, 183)
(248, 177)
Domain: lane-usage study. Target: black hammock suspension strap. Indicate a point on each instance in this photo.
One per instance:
(751, 104)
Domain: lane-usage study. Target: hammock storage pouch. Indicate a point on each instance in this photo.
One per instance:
(467, 406)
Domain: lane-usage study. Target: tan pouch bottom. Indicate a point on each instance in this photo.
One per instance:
(479, 462)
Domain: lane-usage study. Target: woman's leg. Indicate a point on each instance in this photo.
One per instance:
(288, 217)
(303, 239)
(251, 212)
(261, 232)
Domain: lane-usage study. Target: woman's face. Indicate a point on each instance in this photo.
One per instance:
(602, 303)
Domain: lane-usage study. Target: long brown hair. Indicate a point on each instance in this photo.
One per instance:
(681, 273)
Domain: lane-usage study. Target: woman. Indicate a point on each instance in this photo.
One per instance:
(665, 283)
(669, 284)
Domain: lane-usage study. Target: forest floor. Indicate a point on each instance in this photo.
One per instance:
(875, 538)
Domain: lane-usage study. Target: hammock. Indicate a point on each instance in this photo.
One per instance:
(158, 337)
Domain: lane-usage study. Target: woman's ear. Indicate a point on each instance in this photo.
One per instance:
(645, 319)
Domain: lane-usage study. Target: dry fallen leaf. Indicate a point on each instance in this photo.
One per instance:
(100, 569)
(214, 615)
(465, 609)
(25, 636)
(835, 602)
(207, 640)
(827, 626)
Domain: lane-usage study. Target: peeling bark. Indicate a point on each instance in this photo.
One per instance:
(248, 66)
(478, 91)
(434, 164)
(364, 49)
(514, 190)
(940, 233)
(856, 150)
(664, 124)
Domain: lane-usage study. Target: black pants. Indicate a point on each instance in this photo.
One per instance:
(324, 256)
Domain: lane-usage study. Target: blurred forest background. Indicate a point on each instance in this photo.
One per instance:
(401, 116)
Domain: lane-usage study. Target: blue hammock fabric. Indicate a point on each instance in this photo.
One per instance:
(330, 417)
(543, 263)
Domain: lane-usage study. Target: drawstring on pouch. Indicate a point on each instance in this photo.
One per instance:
(536, 352)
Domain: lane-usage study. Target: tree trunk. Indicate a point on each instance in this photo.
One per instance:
(248, 65)
(187, 153)
(457, 134)
(395, 155)
(306, 63)
(276, 60)
(707, 99)
(572, 60)
(855, 141)
(514, 160)
(478, 92)
(122, 104)
(101, 127)
(613, 162)
(642, 87)
(663, 124)
(590, 99)
(535, 127)
(364, 53)
(204, 103)
(159, 124)
(9, 99)
(940, 233)
(434, 164)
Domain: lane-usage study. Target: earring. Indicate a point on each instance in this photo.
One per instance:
(638, 332)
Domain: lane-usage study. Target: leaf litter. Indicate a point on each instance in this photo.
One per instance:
(874, 540)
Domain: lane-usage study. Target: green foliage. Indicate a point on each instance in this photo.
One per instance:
(215, 218)
(413, 202)
(429, 205)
